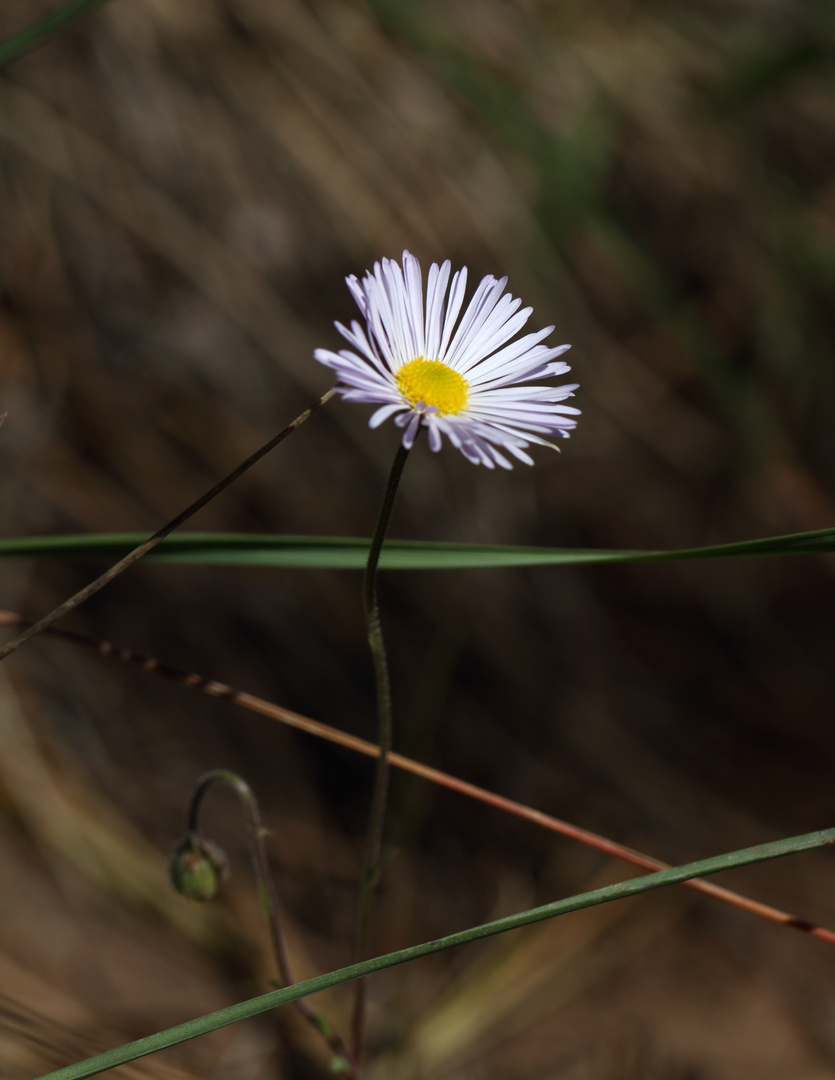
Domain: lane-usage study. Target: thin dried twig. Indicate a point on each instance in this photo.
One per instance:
(435, 776)
(152, 541)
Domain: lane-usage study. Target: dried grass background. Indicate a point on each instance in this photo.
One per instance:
(183, 186)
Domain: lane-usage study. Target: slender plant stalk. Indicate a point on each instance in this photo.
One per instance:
(426, 772)
(242, 1011)
(152, 541)
(269, 899)
(382, 772)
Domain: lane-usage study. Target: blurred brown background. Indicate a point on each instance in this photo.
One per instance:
(184, 185)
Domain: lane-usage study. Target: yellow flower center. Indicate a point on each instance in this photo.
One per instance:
(433, 383)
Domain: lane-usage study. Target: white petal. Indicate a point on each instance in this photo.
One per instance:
(358, 293)
(514, 356)
(519, 454)
(411, 432)
(500, 459)
(485, 299)
(456, 299)
(435, 292)
(383, 414)
(434, 437)
(499, 328)
(414, 301)
(359, 340)
(396, 289)
(508, 407)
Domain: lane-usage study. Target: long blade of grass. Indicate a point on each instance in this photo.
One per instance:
(351, 553)
(39, 31)
(245, 1009)
(426, 772)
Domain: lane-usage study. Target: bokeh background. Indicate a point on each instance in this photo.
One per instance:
(183, 186)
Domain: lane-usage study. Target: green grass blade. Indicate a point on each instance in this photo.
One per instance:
(245, 1009)
(350, 553)
(42, 29)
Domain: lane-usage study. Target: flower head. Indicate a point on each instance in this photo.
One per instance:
(463, 381)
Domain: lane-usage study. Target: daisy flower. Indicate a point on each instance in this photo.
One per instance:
(461, 381)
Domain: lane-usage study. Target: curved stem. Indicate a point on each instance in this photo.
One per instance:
(269, 898)
(377, 816)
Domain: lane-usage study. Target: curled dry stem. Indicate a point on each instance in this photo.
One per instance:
(340, 1062)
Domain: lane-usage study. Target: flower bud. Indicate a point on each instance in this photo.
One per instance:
(197, 867)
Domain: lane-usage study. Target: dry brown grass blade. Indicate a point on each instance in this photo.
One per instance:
(64, 816)
(152, 541)
(42, 1026)
(435, 776)
(514, 985)
(68, 152)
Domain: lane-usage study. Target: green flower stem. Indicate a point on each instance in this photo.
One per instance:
(42, 29)
(382, 770)
(245, 1009)
(267, 893)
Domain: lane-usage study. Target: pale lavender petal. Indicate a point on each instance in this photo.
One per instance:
(411, 431)
(435, 293)
(507, 408)
(456, 299)
(511, 358)
(485, 299)
(434, 435)
(499, 328)
(414, 301)
(381, 415)
(359, 340)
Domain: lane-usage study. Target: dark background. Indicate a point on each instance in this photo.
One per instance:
(183, 186)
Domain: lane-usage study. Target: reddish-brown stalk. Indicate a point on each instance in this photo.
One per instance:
(398, 761)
